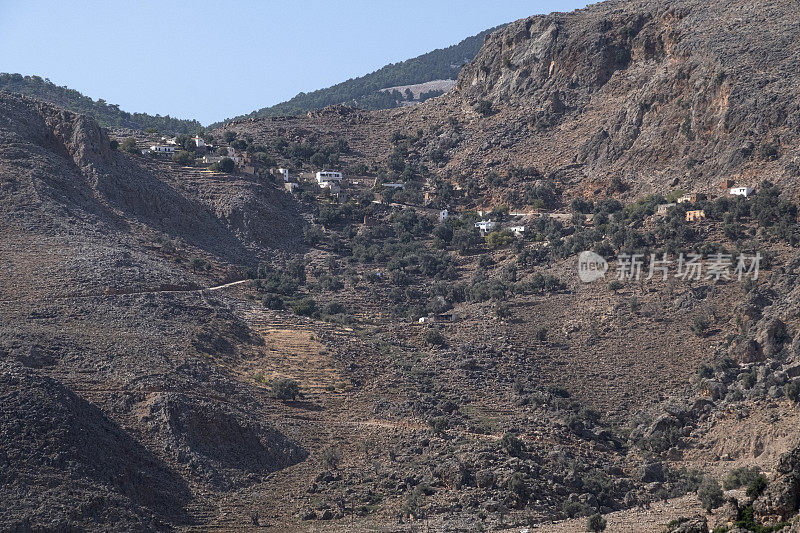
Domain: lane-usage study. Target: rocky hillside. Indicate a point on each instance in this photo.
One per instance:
(92, 234)
(309, 396)
(615, 98)
(660, 94)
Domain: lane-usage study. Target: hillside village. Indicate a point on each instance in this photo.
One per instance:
(561, 296)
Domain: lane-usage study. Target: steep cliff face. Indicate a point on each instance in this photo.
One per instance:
(57, 164)
(687, 90)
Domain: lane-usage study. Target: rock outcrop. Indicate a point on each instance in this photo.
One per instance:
(781, 498)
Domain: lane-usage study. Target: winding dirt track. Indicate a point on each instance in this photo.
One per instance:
(133, 293)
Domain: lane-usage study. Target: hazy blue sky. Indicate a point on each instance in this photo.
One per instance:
(212, 60)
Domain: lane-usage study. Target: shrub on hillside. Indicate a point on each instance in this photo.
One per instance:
(741, 477)
(183, 157)
(756, 486)
(285, 389)
(305, 307)
(792, 391)
(512, 445)
(331, 457)
(596, 522)
(129, 145)
(434, 338)
(483, 107)
(225, 164)
(710, 494)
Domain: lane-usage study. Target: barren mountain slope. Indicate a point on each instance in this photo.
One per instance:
(103, 337)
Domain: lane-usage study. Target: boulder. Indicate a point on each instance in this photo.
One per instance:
(749, 351)
(781, 498)
(726, 515)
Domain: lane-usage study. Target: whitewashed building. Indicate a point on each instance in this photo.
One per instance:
(285, 173)
(333, 186)
(741, 191)
(485, 225)
(162, 149)
(326, 176)
(517, 230)
(443, 215)
(199, 141)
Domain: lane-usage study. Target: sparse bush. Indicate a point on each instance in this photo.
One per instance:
(596, 523)
(183, 157)
(498, 239)
(749, 380)
(512, 445)
(199, 264)
(792, 391)
(272, 301)
(516, 484)
(769, 151)
(305, 307)
(705, 372)
(710, 494)
(574, 509)
(129, 145)
(756, 486)
(700, 326)
(285, 389)
(225, 164)
(434, 338)
(331, 457)
(439, 424)
(502, 310)
(740, 477)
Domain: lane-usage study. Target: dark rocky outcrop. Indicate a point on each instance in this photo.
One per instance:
(66, 466)
(781, 498)
(221, 445)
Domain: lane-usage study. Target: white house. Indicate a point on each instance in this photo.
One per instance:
(333, 186)
(663, 209)
(199, 142)
(326, 176)
(285, 173)
(162, 149)
(395, 185)
(209, 159)
(291, 186)
(485, 225)
(741, 191)
(517, 230)
(443, 214)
